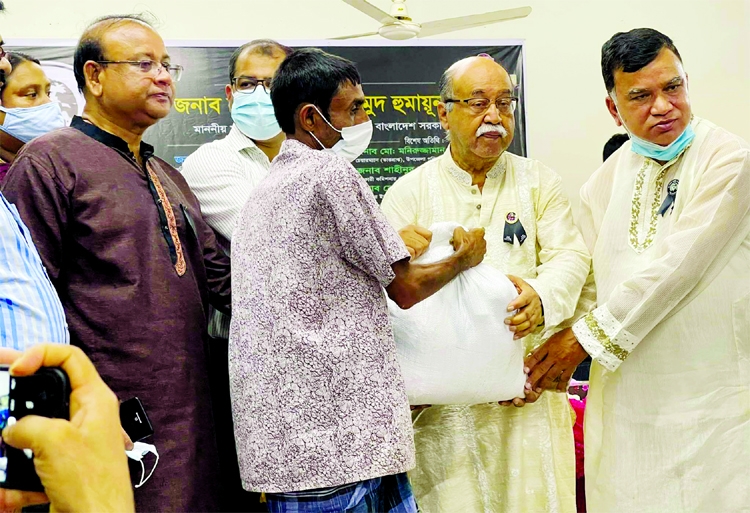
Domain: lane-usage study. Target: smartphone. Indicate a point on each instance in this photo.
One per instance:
(134, 420)
(45, 393)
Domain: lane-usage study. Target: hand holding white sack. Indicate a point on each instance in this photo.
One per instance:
(454, 347)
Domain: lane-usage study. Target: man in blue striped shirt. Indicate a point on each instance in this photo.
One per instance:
(30, 310)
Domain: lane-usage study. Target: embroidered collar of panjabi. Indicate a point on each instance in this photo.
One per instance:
(464, 177)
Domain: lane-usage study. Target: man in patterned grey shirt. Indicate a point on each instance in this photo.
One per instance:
(320, 411)
(222, 174)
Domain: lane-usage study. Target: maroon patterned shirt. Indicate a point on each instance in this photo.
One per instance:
(317, 394)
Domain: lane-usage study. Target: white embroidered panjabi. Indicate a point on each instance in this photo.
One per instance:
(667, 424)
(487, 457)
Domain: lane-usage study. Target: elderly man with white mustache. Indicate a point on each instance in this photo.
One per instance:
(493, 457)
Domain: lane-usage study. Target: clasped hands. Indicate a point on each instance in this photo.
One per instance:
(550, 366)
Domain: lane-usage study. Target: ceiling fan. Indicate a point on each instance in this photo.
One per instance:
(398, 24)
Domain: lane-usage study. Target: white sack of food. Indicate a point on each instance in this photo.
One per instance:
(454, 347)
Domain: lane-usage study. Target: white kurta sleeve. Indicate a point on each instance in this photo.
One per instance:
(589, 231)
(564, 261)
(715, 219)
(400, 203)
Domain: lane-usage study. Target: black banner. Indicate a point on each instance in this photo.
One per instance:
(400, 83)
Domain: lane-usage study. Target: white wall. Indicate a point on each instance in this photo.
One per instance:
(567, 121)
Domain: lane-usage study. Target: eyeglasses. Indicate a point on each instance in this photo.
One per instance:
(505, 105)
(152, 68)
(248, 84)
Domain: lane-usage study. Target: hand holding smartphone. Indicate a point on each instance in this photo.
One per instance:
(45, 393)
(81, 460)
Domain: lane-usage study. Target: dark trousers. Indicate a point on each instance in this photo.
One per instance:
(234, 497)
(582, 371)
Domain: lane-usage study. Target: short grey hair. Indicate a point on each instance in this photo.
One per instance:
(446, 80)
(446, 86)
(446, 83)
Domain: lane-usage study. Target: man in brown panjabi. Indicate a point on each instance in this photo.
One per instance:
(126, 247)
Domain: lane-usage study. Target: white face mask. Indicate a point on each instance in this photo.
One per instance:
(354, 139)
(140, 450)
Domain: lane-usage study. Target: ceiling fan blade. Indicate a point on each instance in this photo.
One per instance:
(372, 11)
(432, 28)
(355, 35)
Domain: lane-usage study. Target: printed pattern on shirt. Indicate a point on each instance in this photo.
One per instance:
(317, 393)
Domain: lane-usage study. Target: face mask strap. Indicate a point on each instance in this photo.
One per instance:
(139, 455)
(324, 118)
(143, 469)
(322, 146)
(617, 107)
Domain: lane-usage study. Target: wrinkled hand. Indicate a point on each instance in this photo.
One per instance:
(80, 462)
(530, 396)
(416, 238)
(552, 364)
(470, 246)
(529, 306)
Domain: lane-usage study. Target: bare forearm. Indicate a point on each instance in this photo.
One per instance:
(415, 282)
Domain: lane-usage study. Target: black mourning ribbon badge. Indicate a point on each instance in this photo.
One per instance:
(513, 227)
(671, 195)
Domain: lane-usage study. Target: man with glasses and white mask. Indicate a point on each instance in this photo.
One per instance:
(493, 457)
(134, 263)
(222, 174)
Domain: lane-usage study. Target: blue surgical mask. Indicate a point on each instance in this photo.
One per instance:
(656, 151)
(26, 123)
(663, 153)
(253, 114)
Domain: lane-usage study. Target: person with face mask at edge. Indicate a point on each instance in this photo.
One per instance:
(321, 416)
(26, 110)
(222, 174)
(30, 310)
